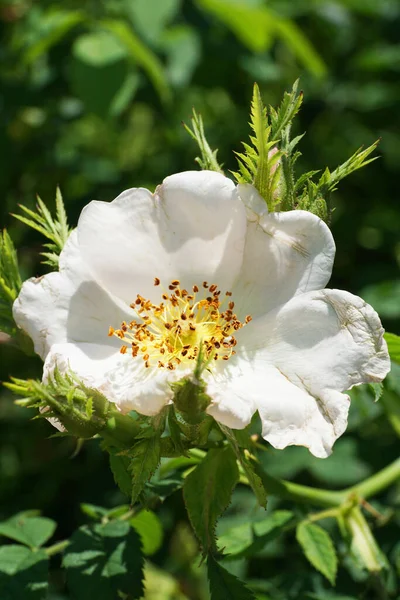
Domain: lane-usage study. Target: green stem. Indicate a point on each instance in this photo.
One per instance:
(57, 548)
(302, 493)
(321, 497)
(378, 482)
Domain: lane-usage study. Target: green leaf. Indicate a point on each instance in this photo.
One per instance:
(150, 529)
(150, 17)
(208, 160)
(98, 71)
(294, 38)
(252, 470)
(141, 55)
(23, 573)
(55, 24)
(207, 492)
(119, 465)
(31, 531)
(10, 282)
(144, 460)
(318, 548)
(249, 464)
(55, 229)
(393, 342)
(224, 585)
(259, 164)
(329, 181)
(249, 538)
(377, 390)
(252, 25)
(104, 560)
(183, 48)
(93, 511)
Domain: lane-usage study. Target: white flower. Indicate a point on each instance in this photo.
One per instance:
(303, 348)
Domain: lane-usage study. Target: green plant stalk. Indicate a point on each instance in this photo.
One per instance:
(321, 497)
(378, 482)
(57, 548)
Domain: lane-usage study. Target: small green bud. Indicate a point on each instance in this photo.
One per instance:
(190, 399)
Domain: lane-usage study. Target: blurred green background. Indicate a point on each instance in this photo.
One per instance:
(93, 93)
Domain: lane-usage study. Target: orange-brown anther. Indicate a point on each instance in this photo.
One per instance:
(172, 332)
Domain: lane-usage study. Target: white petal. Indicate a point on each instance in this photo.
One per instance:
(67, 306)
(191, 229)
(123, 380)
(289, 415)
(320, 343)
(286, 254)
(234, 392)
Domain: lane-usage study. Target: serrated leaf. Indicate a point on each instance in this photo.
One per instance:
(249, 538)
(119, 465)
(104, 560)
(144, 460)
(31, 531)
(377, 390)
(393, 342)
(54, 229)
(318, 548)
(150, 529)
(224, 585)
(207, 492)
(208, 158)
(23, 573)
(248, 463)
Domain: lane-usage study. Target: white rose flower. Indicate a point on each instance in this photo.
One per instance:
(147, 279)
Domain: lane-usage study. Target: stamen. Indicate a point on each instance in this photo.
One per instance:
(172, 332)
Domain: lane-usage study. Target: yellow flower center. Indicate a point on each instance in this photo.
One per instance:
(172, 332)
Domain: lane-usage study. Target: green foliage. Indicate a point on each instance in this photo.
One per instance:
(23, 573)
(150, 529)
(247, 539)
(208, 158)
(256, 26)
(95, 118)
(207, 492)
(362, 544)
(103, 560)
(249, 464)
(83, 412)
(393, 342)
(119, 465)
(27, 529)
(54, 229)
(259, 165)
(10, 282)
(224, 585)
(318, 548)
(145, 457)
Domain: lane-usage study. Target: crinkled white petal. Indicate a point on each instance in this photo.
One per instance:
(191, 229)
(286, 254)
(303, 355)
(124, 381)
(234, 392)
(67, 306)
(290, 415)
